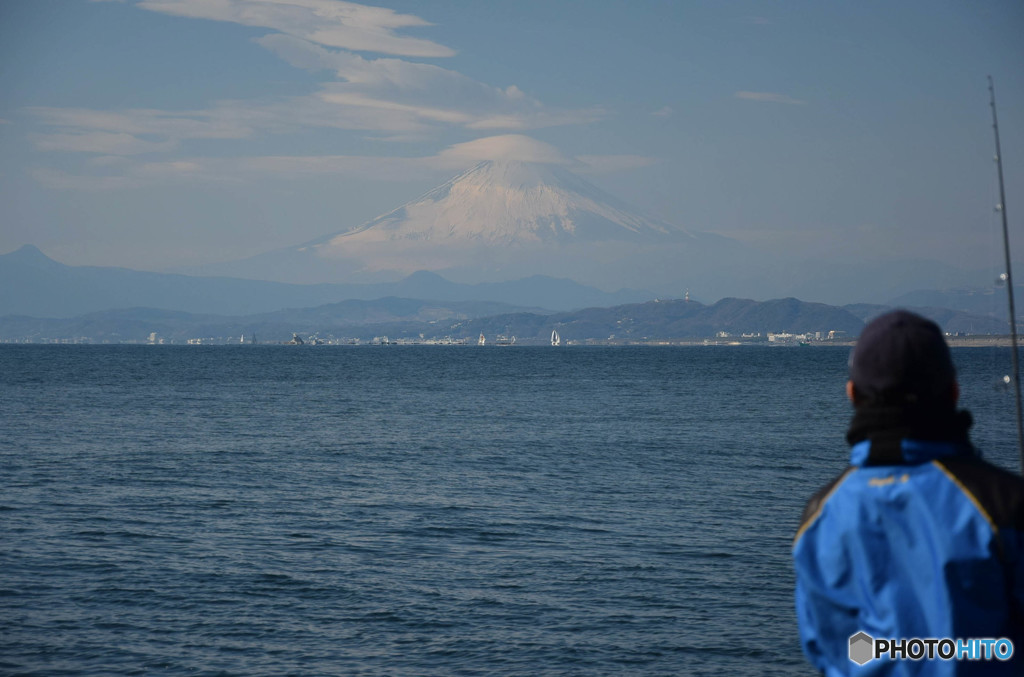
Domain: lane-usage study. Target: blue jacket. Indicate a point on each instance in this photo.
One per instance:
(917, 539)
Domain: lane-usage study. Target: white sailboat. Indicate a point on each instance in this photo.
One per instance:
(480, 341)
(556, 340)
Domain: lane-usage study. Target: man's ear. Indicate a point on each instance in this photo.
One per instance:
(851, 392)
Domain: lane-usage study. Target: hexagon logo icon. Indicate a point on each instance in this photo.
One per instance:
(862, 648)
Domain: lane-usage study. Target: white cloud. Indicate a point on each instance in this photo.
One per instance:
(663, 112)
(538, 119)
(400, 99)
(769, 97)
(333, 23)
(59, 180)
(402, 95)
(514, 147)
(455, 158)
(185, 124)
(107, 143)
(394, 96)
(354, 69)
(121, 132)
(420, 94)
(415, 112)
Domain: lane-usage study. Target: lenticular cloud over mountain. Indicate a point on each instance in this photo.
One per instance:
(498, 220)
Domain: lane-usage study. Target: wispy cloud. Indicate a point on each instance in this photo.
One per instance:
(205, 124)
(371, 107)
(390, 97)
(107, 143)
(769, 97)
(122, 132)
(400, 98)
(410, 95)
(123, 172)
(505, 147)
(59, 180)
(452, 159)
(333, 23)
(663, 112)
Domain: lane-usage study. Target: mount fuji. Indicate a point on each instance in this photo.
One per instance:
(499, 220)
(499, 204)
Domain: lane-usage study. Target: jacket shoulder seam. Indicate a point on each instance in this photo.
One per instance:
(816, 512)
(969, 494)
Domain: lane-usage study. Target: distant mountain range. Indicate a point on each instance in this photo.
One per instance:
(354, 318)
(41, 298)
(500, 221)
(495, 220)
(527, 235)
(403, 318)
(33, 284)
(534, 236)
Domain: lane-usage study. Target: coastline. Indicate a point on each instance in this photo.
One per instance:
(967, 341)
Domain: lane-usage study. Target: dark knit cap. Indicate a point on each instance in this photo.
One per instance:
(902, 358)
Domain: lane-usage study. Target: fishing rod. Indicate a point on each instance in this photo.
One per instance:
(1001, 208)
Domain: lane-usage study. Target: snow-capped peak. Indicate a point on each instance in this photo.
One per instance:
(503, 203)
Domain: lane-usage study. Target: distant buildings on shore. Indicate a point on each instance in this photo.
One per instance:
(833, 337)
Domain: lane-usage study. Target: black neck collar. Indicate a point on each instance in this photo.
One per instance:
(888, 426)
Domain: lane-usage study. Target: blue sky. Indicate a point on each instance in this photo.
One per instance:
(158, 133)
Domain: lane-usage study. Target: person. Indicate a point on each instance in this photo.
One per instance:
(919, 537)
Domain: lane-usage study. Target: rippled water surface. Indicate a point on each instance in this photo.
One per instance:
(417, 510)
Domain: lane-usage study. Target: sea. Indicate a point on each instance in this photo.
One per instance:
(419, 510)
